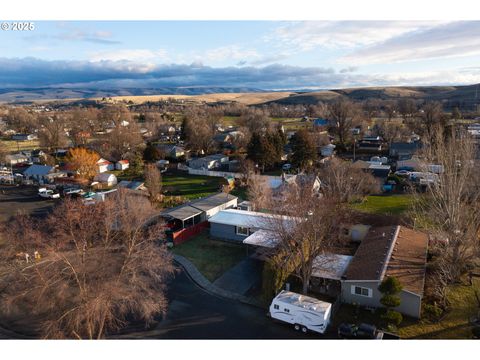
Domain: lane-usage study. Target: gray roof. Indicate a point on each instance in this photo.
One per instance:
(38, 170)
(182, 212)
(133, 185)
(186, 211)
(405, 146)
(212, 201)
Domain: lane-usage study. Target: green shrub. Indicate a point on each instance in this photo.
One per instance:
(392, 317)
(390, 301)
(432, 311)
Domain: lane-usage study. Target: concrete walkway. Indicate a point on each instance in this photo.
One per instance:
(206, 285)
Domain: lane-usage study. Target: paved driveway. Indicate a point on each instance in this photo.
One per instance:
(242, 277)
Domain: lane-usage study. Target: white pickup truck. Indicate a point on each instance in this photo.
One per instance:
(48, 194)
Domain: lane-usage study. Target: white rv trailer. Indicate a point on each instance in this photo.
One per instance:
(304, 312)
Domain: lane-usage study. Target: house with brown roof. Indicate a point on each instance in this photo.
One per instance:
(387, 251)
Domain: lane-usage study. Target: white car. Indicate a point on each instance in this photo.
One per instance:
(48, 194)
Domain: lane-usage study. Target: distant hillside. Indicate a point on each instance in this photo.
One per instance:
(24, 95)
(466, 97)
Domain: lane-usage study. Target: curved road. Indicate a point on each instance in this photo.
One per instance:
(196, 314)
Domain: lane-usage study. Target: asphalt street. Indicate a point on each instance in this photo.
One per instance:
(196, 314)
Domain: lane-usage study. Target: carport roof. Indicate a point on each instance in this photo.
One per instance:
(212, 201)
(330, 266)
(183, 212)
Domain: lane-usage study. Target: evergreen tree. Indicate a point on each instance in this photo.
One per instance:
(304, 149)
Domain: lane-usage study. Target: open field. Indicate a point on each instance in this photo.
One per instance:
(190, 186)
(15, 146)
(211, 257)
(243, 98)
(385, 204)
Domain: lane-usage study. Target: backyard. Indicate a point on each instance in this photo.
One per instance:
(211, 257)
(190, 186)
(385, 204)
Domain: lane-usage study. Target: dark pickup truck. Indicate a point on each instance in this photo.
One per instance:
(363, 331)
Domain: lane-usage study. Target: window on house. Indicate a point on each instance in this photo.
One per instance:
(276, 307)
(242, 230)
(358, 290)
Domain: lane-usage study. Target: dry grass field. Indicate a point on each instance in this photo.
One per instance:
(243, 98)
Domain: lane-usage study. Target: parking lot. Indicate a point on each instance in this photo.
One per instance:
(22, 200)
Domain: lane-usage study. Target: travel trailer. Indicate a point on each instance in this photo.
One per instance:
(303, 312)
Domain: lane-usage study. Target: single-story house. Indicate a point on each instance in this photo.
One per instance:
(172, 151)
(105, 178)
(132, 185)
(237, 225)
(371, 143)
(14, 159)
(320, 123)
(104, 165)
(386, 251)
(327, 150)
(122, 165)
(24, 137)
(208, 162)
(37, 155)
(188, 219)
(38, 172)
(404, 150)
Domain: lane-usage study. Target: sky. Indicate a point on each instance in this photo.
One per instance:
(269, 55)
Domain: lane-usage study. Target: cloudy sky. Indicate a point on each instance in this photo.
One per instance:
(258, 54)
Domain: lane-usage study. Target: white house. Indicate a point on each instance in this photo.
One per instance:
(104, 165)
(122, 165)
(107, 179)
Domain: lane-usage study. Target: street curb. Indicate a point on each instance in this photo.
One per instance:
(198, 278)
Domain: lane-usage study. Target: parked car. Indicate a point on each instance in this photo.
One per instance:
(48, 194)
(362, 331)
(286, 167)
(402, 173)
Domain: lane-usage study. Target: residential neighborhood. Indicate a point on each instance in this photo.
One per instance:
(269, 201)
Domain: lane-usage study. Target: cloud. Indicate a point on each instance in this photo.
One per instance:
(442, 41)
(104, 74)
(134, 55)
(308, 35)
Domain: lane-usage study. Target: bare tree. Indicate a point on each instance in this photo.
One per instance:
(346, 182)
(344, 114)
(305, 226)
(390, 107)
(407, 108)
(153, 181)
(450, 209)
(259, 192)
(91, 269)
(432, 116)
(52, 134)
(256, 120)
(21, 120)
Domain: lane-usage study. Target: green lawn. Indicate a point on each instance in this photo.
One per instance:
(211, 257)
(385, 204)
(190, 186)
